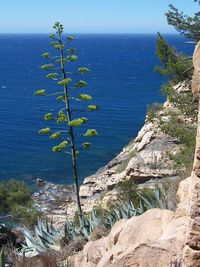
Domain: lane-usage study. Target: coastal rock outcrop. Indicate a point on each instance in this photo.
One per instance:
(155, 238)
(192, 249)
(143, 159)
(158, 237)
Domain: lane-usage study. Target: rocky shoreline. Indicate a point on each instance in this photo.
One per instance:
(174, 236)
(142, 160)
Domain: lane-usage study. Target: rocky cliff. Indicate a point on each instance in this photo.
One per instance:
(145, 159)
(192, 249)
(158, 238)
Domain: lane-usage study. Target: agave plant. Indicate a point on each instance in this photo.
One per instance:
(121, 210)
(45, 237)
(2, 258)
(86, 226)
(150, 201)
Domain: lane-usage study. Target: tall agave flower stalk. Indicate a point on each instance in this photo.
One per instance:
(58, 71)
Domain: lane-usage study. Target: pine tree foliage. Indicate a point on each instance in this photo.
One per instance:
(188, 26)
(177, 66)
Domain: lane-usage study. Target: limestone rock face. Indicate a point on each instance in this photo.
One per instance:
(155, 238)
(142, 160)
(196, 76)
(191, 255)
(183, 195)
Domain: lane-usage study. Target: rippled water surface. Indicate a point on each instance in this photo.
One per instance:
(121, 81)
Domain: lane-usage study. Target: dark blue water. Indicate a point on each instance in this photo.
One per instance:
(122, 83)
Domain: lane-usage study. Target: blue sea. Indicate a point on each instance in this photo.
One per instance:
(122, 82)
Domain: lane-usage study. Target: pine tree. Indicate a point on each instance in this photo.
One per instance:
(188, 26)
(177, 66)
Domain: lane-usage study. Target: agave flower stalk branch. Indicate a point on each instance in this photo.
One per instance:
(58, 93)
(62, 109)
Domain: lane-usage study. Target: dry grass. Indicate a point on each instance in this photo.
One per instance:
(169, 187)
(73, 247)
(99, 232)
(47, 259)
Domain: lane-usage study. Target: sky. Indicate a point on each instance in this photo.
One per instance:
(89, 16)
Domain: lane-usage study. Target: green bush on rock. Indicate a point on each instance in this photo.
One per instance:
(15, 200)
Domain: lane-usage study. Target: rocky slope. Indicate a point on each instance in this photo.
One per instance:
(191, 254)
(158, 238)
(144, 159)
(154, 239)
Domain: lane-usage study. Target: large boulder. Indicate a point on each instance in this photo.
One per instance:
(155, 238)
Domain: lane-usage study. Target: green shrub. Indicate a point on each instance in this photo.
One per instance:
(129, 191)
(152, 111)
(177, 66)
(186, 134)
(183, 101)
(15, 200)
(124, 163)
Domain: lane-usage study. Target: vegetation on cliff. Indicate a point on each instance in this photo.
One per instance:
(178, 68)
(16, 202)
(182, 117)
(132, 200)
(189, 26)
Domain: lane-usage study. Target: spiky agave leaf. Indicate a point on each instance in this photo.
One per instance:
(31, 242)
(147, 202)
(50, 244)
(28, 252)
(70, 231)
(85, 233)
(2, 258)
